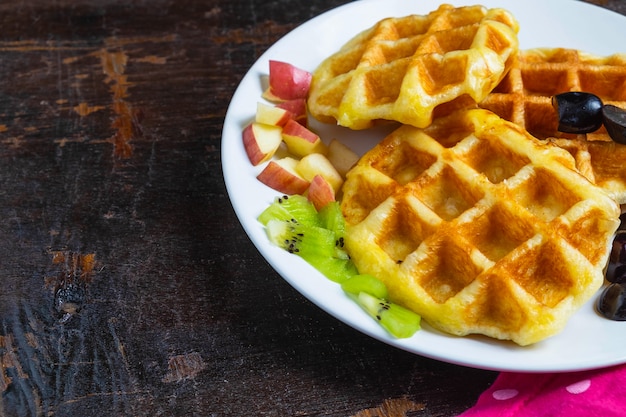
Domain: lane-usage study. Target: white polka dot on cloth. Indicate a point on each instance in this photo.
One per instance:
(505, 394)
(579, 387)
(576, 388)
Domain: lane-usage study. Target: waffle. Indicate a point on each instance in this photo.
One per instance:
(411, 69)
(524, 97)
(479, 227)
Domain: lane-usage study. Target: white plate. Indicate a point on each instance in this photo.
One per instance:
(588, 341)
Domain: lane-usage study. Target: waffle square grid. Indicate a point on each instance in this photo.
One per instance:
(478, 227)
(524, 97)
(408, 69)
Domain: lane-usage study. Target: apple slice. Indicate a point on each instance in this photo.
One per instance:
(287, 82)
(261, 141)
(301, 141)
(281, 175)
(320, 192)
(317, 164)
(297, 108)
(342, 157)
(271, 115)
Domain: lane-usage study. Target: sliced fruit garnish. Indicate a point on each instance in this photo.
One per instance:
(397, 320)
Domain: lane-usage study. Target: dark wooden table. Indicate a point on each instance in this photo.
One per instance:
(127, 285)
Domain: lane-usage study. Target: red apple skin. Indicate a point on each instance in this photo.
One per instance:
(282, 179)
(300, 140)
(253, 148)
(293, 128)
(287, 82)
(297, 109)
(255, 155)
(320, 192)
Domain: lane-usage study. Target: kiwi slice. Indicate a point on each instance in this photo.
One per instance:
(335, 269)
(292, 223)
(331, 218)
(290, 207)
(397, 320)
(301, 239)
(315, 245)
(365, 283)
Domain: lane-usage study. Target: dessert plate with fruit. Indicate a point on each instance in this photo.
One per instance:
(588, 341)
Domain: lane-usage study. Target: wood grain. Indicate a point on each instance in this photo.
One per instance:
(127, 285)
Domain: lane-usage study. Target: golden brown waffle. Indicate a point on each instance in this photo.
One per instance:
(479, 227)
(411, 68)
(524, 97)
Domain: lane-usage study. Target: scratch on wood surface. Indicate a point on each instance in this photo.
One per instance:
(31, 339)
(153, 59)
(8, 360)
(127, 122)
(115, 42)
(259, 35)
(84, 109)
(75, 267)
(63, 141)
(184, 367)
(30, 45)
(106, 394)
(14, 141)
(398, 407)
(71, 60)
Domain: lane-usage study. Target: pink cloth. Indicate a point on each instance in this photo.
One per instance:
(600, 393)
